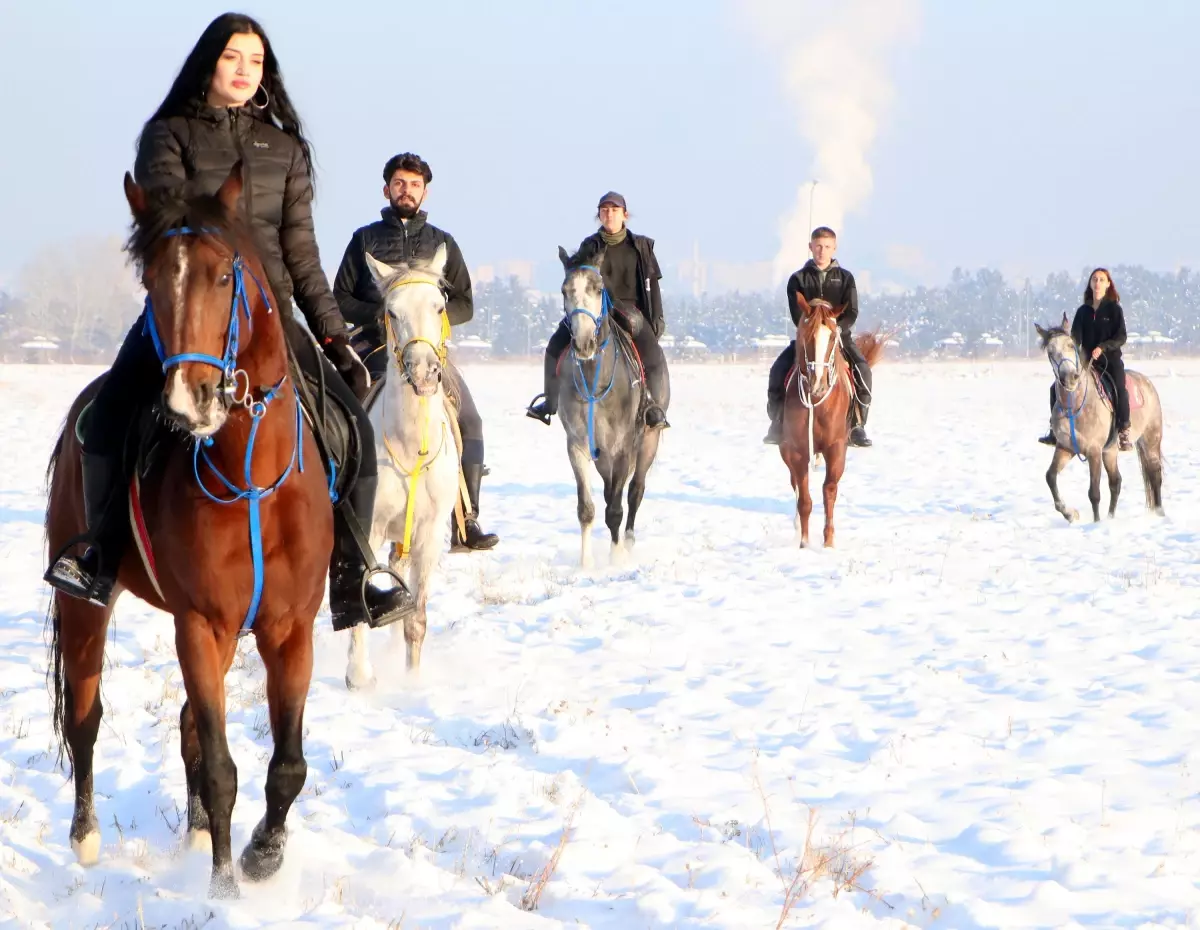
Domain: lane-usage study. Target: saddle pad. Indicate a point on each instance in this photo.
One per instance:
(1132, 388)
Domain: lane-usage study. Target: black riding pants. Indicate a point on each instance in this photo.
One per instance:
(1113, 365)
(777, 381)
(470, 423)
(653, 360)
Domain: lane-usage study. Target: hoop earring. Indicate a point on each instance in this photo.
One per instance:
(266, 103)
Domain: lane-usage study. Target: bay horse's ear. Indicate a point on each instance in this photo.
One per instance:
(837, 311)
(136, 195)
(231, 189)
(381, 271)
(564, 257)
(802, 304)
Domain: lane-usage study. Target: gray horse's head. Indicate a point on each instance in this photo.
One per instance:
(1063, 354)
(583, 299)
(414, 309)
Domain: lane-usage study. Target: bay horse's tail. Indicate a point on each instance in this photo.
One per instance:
(871, 345)
(54, 668)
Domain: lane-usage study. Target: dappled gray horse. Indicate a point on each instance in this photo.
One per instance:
(1083, 425)
(599, 403)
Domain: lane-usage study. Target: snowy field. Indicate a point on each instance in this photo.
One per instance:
(992, 716)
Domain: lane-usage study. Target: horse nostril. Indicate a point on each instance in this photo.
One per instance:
(204, 394)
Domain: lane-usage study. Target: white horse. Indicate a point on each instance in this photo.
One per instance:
(415, 444)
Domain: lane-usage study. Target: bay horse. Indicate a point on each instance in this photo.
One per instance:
(415, 443)
(815, 413)
(600, 406)
(1082, 423)
(236, 523)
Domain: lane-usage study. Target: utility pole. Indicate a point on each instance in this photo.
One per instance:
(811, 191)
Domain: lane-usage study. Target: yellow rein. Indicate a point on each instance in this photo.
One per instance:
(423, 460)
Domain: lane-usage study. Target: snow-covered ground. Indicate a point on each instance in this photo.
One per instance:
(994, 716)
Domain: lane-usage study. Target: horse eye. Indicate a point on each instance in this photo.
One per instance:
(225, 279)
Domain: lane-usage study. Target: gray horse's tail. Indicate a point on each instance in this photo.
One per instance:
(1152, 476)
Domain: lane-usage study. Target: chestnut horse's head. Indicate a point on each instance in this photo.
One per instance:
(200, 292)
(818, 345)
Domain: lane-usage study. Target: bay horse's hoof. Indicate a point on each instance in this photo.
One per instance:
(224, 886)
(262, 856)
(87, 848)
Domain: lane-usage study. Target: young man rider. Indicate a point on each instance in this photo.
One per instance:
(822, 277)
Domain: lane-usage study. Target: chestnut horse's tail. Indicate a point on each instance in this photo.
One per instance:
(871, 345)
(54, 668)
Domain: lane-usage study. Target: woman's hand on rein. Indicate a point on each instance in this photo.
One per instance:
(1097, 352)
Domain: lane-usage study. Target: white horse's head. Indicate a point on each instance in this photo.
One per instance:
(583, 301)
(1063, 354)
(414, 314)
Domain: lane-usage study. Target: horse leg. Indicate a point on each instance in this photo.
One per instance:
(1149, 450)
(614, 505)
(289, 670)
(647, 450)
(360, 676)
(803, 499)
(78, 657)
(1112, 466)
(835, 465)
(580, 462)
(204, 659)
(199, 835)
(1094, 485)
(427, 542)
(1057, 464)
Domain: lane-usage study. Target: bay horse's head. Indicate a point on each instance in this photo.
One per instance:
(818, 344)
(1063, 354)
(415, 317)
(194, 255)
(585, 301)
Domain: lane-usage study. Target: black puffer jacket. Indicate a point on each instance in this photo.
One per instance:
(649, 298)
(196, 152)
(393, 241)
(1102, 328)
(838, 288)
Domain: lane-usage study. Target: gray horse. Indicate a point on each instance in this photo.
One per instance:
(1083, 425)
(600, 404)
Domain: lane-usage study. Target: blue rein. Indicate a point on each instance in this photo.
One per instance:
(227, 365)
(1070, 395)
(591, 393)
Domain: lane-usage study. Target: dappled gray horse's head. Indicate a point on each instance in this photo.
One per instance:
(1063, 355)
(414, 311)
(583, 300)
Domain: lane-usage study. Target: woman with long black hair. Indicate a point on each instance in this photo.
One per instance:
(229, 104)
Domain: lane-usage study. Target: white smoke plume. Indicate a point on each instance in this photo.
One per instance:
(833, 58)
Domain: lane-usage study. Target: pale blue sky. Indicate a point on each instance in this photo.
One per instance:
(1027, 135)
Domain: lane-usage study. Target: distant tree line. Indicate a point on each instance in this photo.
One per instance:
(74, 302)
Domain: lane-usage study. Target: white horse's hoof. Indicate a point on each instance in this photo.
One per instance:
(87, 850)
(360, 682)
(199, 841)
(1072, 516)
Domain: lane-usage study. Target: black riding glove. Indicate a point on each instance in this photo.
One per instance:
(343, 357)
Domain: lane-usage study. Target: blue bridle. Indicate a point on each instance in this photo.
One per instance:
(257, 409)
(1065, 410)
(590, 393)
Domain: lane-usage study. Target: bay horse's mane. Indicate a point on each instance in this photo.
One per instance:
(168, 209)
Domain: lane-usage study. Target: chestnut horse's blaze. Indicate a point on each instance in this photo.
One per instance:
(202, 547)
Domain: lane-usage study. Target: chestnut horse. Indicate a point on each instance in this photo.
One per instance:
(240, 531)
(815, 412)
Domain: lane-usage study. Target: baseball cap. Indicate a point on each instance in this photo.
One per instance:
(614, 198)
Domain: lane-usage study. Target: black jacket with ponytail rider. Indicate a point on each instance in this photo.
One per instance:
(647, 296)
(194, 153)
(1101, 328)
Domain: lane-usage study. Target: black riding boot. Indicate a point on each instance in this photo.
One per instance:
(352, 599)
(858, 423)
(549, 404)
(775, 431)
(92, 575)
(475, 538)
